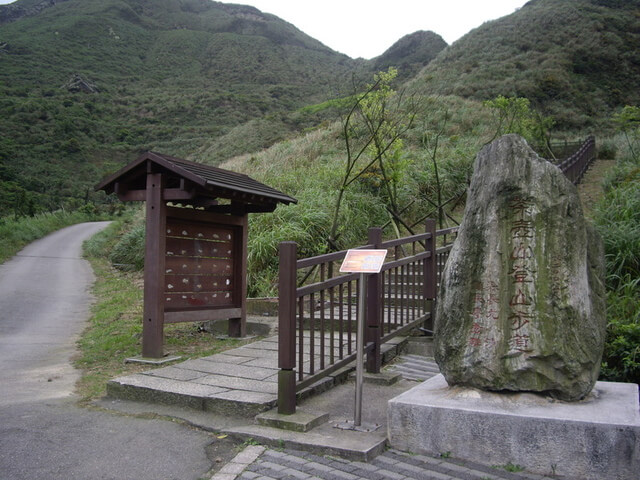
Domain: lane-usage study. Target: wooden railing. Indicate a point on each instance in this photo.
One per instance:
(575, 165)
(317, 319)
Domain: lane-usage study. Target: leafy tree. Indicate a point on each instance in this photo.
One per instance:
(372, 131)
(433, 134)
(387, 116)
(514, 115)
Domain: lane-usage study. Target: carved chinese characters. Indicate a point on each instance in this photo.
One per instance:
(521, 303)
(522, 268)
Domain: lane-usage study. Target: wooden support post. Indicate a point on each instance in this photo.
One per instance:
(154, 268)
(374, 310)
(238, 326)
(287, 328)
(430, 278)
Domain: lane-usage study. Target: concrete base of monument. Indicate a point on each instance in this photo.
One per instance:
(596, 438)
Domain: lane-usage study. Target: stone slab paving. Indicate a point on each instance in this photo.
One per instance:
(259, 463)
(245, 376)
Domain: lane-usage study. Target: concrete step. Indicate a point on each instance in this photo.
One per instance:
(414, 367)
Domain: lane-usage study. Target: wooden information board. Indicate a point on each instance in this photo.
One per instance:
(205, 255)
(199, 265)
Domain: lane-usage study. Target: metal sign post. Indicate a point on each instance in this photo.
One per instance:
(362, 262)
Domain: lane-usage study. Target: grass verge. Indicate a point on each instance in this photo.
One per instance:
(17, 233)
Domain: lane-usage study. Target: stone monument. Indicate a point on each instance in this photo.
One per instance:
(522, 303)
(521, 319)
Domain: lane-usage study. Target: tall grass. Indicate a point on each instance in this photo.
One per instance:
(311, 168)
(617, 218)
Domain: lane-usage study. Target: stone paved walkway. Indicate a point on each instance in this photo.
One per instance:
(259, 463)
(241, 381)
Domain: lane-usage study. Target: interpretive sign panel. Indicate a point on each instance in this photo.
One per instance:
(363, 261)
(199, 265)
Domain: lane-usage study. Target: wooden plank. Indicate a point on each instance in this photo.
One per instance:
(198, 283)
(198, 266)
(201, 315)
(199, 230)
(178, 194)
(202, 216)
(176, 301)
(132, 196)
(187, 247)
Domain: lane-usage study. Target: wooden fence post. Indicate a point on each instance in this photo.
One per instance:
(431, 269)
(238, 326)
(373, 316)
(287, 328)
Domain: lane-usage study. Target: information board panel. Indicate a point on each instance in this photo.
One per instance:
(363, 261)
(199, 265)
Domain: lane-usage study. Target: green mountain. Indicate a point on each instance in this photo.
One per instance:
(85, 85)
(170, 75)
(411, 53)
(577, 60)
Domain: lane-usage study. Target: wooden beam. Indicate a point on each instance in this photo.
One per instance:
(133, 196)
(154, 268)
(168, 194)
(203, 216)
(201, 315)
(178, 194)
(241, 209)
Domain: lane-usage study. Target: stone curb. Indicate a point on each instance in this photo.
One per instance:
(241, 461)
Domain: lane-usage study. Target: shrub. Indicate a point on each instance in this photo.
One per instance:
(607, 150)
(128, 252)
(621, 359)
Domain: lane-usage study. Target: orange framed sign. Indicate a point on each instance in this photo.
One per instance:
(363, 261)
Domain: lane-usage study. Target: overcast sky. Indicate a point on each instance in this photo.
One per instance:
(366, 28)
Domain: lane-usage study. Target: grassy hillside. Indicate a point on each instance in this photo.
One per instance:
(172, 75)
(576, 60)
(311, 168)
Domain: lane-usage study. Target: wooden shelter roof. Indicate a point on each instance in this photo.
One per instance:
(192, 183)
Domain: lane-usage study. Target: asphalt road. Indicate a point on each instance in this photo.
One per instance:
(44, 305)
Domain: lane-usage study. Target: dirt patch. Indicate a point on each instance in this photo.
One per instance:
(590, 188)
(221, 451)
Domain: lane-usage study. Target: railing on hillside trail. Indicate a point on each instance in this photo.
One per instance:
(575, 165)
(317, 321)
